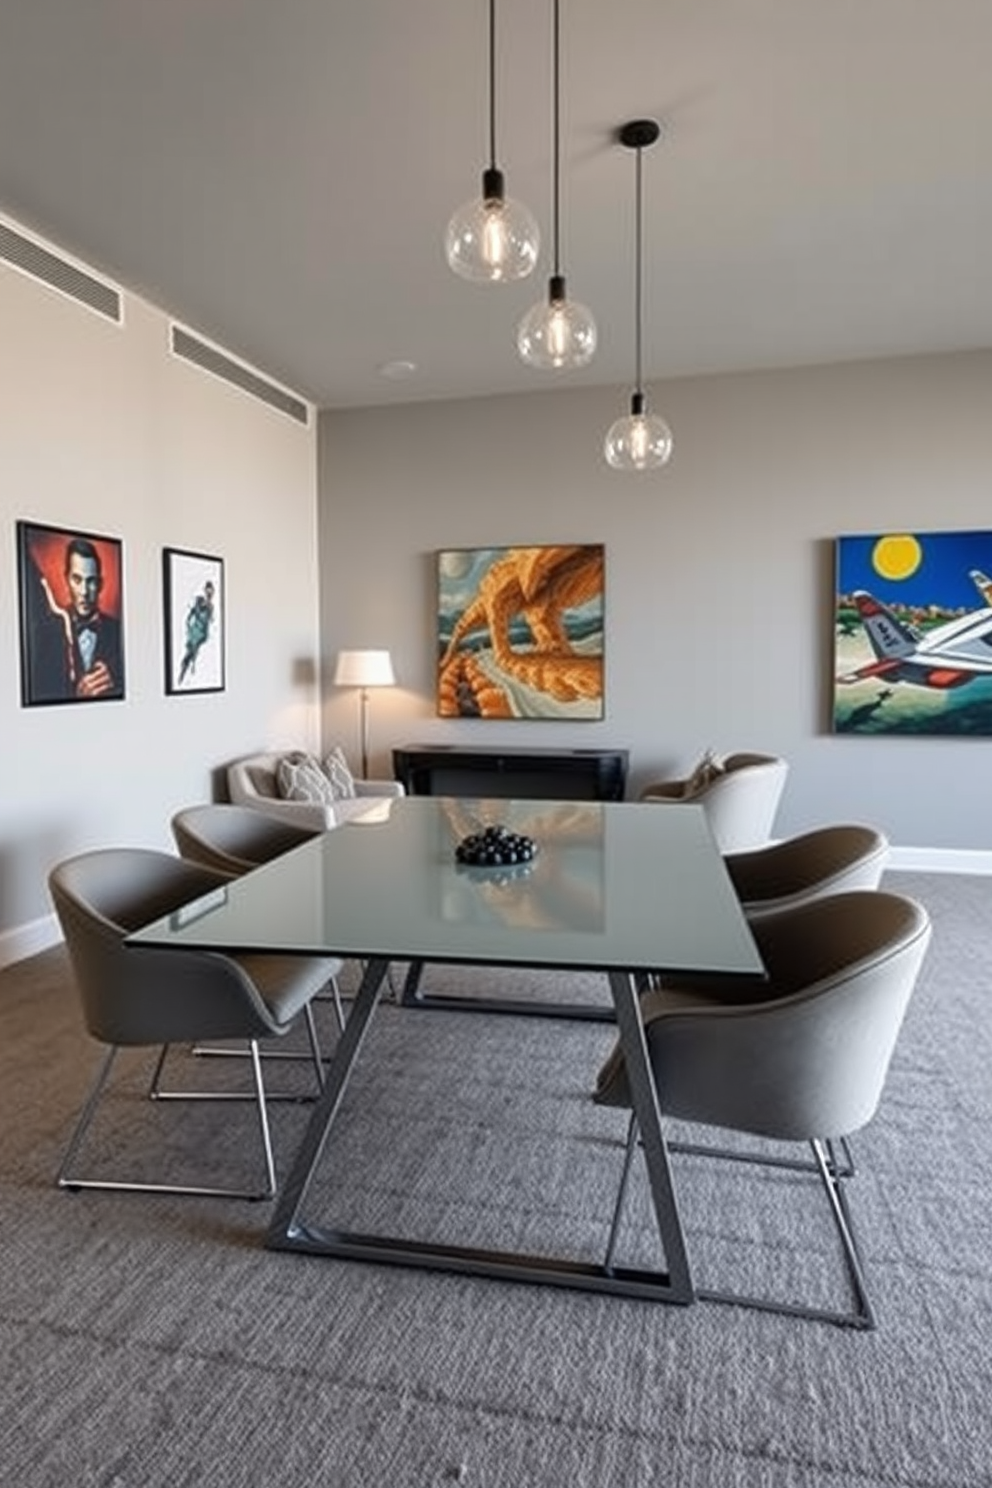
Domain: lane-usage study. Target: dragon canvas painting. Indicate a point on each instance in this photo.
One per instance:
(520, 632)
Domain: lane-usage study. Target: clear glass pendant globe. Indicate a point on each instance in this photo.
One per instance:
(557, 333)
(638, 441)
(492, 241)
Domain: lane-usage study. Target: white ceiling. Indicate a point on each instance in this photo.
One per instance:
(278, 174)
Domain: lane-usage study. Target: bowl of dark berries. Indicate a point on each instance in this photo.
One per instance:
(495, 847)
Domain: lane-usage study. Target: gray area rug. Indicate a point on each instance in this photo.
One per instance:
(152, 1342)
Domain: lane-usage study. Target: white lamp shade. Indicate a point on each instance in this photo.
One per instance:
(364, 669)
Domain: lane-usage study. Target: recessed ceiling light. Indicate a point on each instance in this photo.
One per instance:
(397, 370)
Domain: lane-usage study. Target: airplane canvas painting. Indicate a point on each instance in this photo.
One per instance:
(913, 633)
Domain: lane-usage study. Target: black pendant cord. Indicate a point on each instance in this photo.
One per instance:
(637, 136)
(493, 184)
(556, 143)
(638, 272)
(492, 85)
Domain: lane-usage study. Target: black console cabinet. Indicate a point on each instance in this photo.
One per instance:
(541, 774)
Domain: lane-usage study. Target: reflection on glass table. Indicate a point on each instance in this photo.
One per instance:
(561, 887)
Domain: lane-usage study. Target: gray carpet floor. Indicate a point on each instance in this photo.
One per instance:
(152, 1342)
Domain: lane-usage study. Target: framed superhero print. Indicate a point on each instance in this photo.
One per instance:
(193, 586)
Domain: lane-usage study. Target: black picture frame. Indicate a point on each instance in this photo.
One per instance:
(195, 640)
(71, 615)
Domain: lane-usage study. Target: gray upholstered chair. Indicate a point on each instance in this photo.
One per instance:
(740, 795)
(235, 839)
(144, 996)
(826, 860)
(801, 1057)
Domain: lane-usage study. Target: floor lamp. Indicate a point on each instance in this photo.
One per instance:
(364, 669)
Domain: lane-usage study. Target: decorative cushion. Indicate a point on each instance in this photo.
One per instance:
(709, 767)
(335, 768)
(299, 777)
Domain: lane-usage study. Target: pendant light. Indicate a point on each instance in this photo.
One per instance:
(492, 239)
(557, 332)
(640, 440)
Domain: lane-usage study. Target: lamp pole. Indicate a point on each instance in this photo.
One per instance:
(364, 703)
(364, 669)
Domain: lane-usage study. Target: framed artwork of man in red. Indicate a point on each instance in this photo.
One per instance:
(71, 615)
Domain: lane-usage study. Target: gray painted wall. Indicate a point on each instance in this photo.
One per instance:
(103, 430)
(719, 573)
(719, 568)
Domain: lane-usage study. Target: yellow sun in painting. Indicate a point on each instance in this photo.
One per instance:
(896, 556)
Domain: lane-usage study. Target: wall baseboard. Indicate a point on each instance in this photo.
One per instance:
(28, 940)
(40, 935)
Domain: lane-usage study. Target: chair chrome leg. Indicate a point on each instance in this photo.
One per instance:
(863, 1315)
(263, 1116)
(844, 1166)
(292, 1097)
(85, 1117)
(154, 1084)
(758, 1159)
(336, 998)
(68, 1180)
(838, 1205)
(315, 1054)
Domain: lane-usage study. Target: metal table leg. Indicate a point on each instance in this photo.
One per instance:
(283, 1226)
(644, 1100)
(290, 1231)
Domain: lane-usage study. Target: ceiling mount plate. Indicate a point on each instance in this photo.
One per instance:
(639, 133)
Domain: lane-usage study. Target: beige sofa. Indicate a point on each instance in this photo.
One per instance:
(252, 782)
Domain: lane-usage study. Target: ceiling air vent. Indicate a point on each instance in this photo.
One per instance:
(192, 349)
(38, 262)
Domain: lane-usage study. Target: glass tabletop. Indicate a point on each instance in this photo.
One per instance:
(612, 886)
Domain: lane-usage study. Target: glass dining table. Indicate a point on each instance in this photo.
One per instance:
(619, 889)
